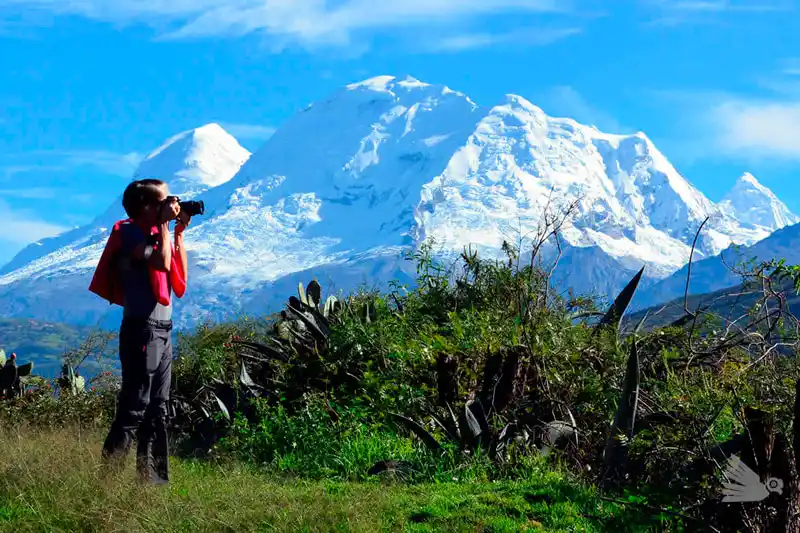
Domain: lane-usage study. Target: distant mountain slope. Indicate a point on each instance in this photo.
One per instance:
(730, 304)
(45, 343)
(718, 273)
(347, 185)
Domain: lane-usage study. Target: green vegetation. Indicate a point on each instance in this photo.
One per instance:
(59, 489)
(480, 400)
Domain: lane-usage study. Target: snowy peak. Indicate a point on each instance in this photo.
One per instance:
(756, 206)
(381, 165)
(195, 160)
(190, 162)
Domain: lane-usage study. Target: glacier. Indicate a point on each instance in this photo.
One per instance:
(351, 183)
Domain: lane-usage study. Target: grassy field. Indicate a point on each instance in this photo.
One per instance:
(51, 482)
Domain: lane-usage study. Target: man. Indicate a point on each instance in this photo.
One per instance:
(142, 258)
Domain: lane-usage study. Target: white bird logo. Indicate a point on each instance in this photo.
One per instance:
(745, 484)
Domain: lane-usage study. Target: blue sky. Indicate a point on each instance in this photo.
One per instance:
(87, 87)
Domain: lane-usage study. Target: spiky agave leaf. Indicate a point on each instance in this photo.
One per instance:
(25, 370)
(78, 384)
(319, 331)
(330, 305)
(504, 392)
(314, 294)
(556, 434)
(301, 292)
(491, 373)
(456, 425)
(429, 440)
(247, 381)
(506, 435)
(268, 352)
(452, 433)
(620, 305)
(221, 406)
(625, 417)
(474, 425)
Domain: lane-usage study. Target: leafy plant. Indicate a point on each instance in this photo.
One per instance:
(13, 378)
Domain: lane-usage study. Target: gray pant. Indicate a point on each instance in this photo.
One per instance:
(145, 352)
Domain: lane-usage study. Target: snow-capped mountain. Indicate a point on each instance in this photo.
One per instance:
(757, 207)
(194, 161)
(191, 162)
(344, 187)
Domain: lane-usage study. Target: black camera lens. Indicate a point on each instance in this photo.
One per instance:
(192, 207)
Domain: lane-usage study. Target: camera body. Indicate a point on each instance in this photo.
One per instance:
(192, 207)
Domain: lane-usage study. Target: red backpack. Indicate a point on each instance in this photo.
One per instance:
(106, 281)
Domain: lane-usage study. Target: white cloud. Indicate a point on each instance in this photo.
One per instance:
(113, 163)
(791, 67)
(249, 131)
(757, 129)
(21, 227)
(110, 162)
(721, 125)
(306, 22)
(29, 193)
(679, 12)
(522, 37)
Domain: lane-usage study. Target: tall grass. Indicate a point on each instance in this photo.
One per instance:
(51, 481)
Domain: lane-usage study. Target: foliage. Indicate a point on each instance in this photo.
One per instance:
(483, 369)
(59, 488)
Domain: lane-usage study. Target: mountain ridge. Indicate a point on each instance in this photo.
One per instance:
(382, 165)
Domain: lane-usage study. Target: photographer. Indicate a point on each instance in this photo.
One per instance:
(139, 270)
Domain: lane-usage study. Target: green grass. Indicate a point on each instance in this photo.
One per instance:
(51, 482)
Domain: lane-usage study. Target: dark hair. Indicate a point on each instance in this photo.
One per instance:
(138, 194)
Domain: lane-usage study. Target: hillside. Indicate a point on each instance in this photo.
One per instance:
(46, 343)
(720, 273)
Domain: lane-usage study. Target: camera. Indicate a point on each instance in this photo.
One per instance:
(192, 207)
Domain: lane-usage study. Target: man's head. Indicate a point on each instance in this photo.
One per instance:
(142, 200)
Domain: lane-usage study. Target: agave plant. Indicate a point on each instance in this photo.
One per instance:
(70, 381)
(12, 377)
(499, 399)
(299, 344)
(293, 353)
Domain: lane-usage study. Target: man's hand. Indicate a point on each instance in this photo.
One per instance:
(183, 222)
